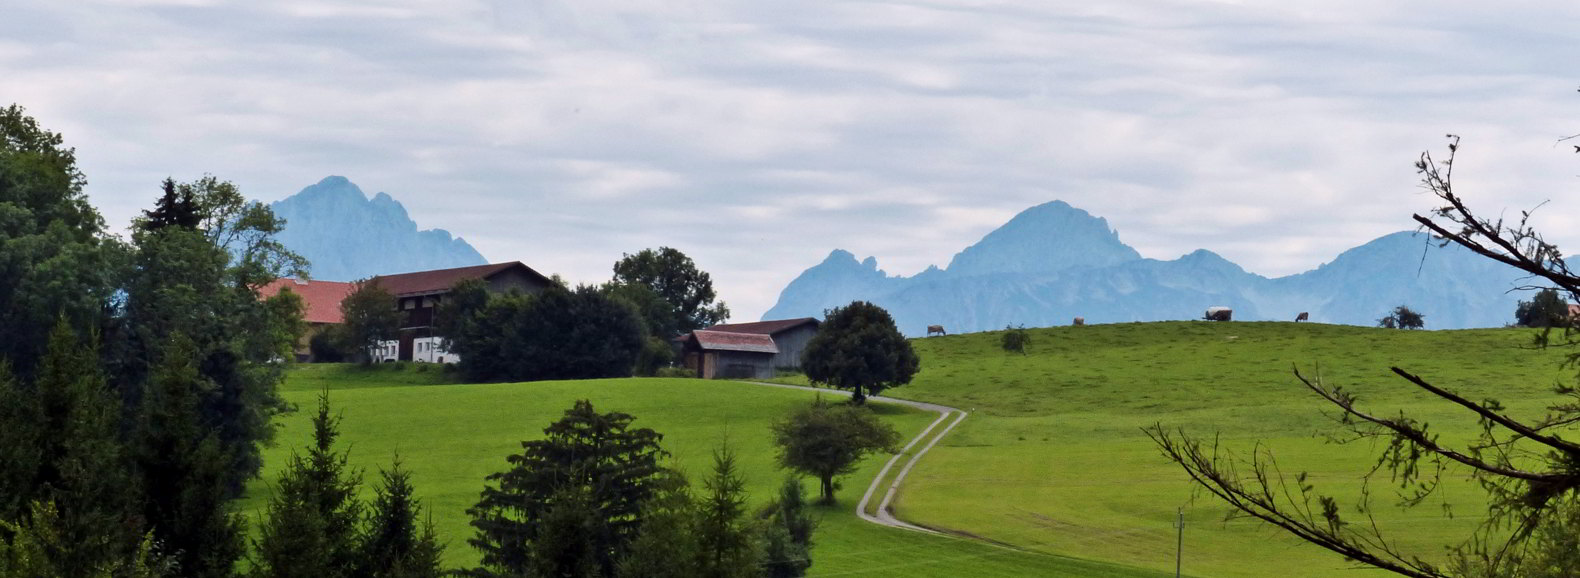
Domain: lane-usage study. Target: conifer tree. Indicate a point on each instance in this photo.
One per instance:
(394, 545)
(78, 465)
(182, 469)
(666, 546)
(600, 453)
(312, 522)
(727, 548)
(787, 533)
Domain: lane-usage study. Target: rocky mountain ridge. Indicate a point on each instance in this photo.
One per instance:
(347, 236)
(1053, 262)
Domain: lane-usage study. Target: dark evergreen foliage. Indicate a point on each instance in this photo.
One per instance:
(175, 208)
(585, 451)
(312, 524)
(182, 469)
(1402, 318)
(826, 440)
(727, 544)
(395, 545)
(787, 528)
(858, 348)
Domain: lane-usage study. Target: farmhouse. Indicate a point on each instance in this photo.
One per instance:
(747, 350)
(321, 306)
(418, 295)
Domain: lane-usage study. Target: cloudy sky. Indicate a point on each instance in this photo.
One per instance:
(758, 136)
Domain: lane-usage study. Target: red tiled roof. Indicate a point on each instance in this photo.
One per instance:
(321, 298)
(441, 280)
(764, 327)
(727, 341)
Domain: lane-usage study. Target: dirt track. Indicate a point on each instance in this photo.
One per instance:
(931, 434)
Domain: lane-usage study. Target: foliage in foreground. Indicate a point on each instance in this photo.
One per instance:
(1527, 469)
(590, 499)
(316, 525)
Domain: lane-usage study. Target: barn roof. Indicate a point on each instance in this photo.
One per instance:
(765, 327)
(728, 341)
(320, 299)
(441, 280)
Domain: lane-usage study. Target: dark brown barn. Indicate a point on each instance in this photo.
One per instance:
(748, 350)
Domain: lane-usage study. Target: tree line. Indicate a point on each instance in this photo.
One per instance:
(139, 380)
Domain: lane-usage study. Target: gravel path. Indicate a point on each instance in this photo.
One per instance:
(931, 434)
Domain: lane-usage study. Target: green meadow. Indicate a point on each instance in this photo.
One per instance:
(1053, 458)
(1050, 475)
(452, 436)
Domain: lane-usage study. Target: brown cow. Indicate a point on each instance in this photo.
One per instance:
(938, 329)
(1303, 316)
(1080, 321)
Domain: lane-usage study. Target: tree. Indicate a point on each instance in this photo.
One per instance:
(787, 533)
(1402, 318)
(1546, 309)
(202, 282)
(67, 457)
(727, 545)
(826, 440)
(370, 316)
(585, 451)
(675, 278)
(395, 545)
(556, 334)
(859, 349)
(312, 522)
(56, 261)
(1015, 339)
(666, 545)
(182, 469)
(1528, 470)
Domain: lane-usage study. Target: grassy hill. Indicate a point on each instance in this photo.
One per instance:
(452, 436)
(1053, 458)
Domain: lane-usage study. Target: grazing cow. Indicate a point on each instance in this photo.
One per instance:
(938, 329)
(1080, 321)
(1303, 316)
(1218, 314)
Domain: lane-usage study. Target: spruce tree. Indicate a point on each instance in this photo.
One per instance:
(727, 548)
(311, 528)
(182, 469)
(666, 546)
(787, 533)
(394, 545)
(80, 467)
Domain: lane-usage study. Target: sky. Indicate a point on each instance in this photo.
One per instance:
(757, 137)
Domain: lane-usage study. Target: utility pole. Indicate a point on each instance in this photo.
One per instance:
(1179, 550)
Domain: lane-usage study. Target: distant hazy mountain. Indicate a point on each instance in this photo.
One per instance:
(347, 236)
(1054, 262)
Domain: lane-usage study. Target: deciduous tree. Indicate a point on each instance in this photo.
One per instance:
(369, 316)
(826, 440)
(858, 348)
(672, 275)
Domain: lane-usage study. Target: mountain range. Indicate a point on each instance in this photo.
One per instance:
(346, 236)
(1054, 262)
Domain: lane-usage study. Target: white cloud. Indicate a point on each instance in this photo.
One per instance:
(757, 137)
